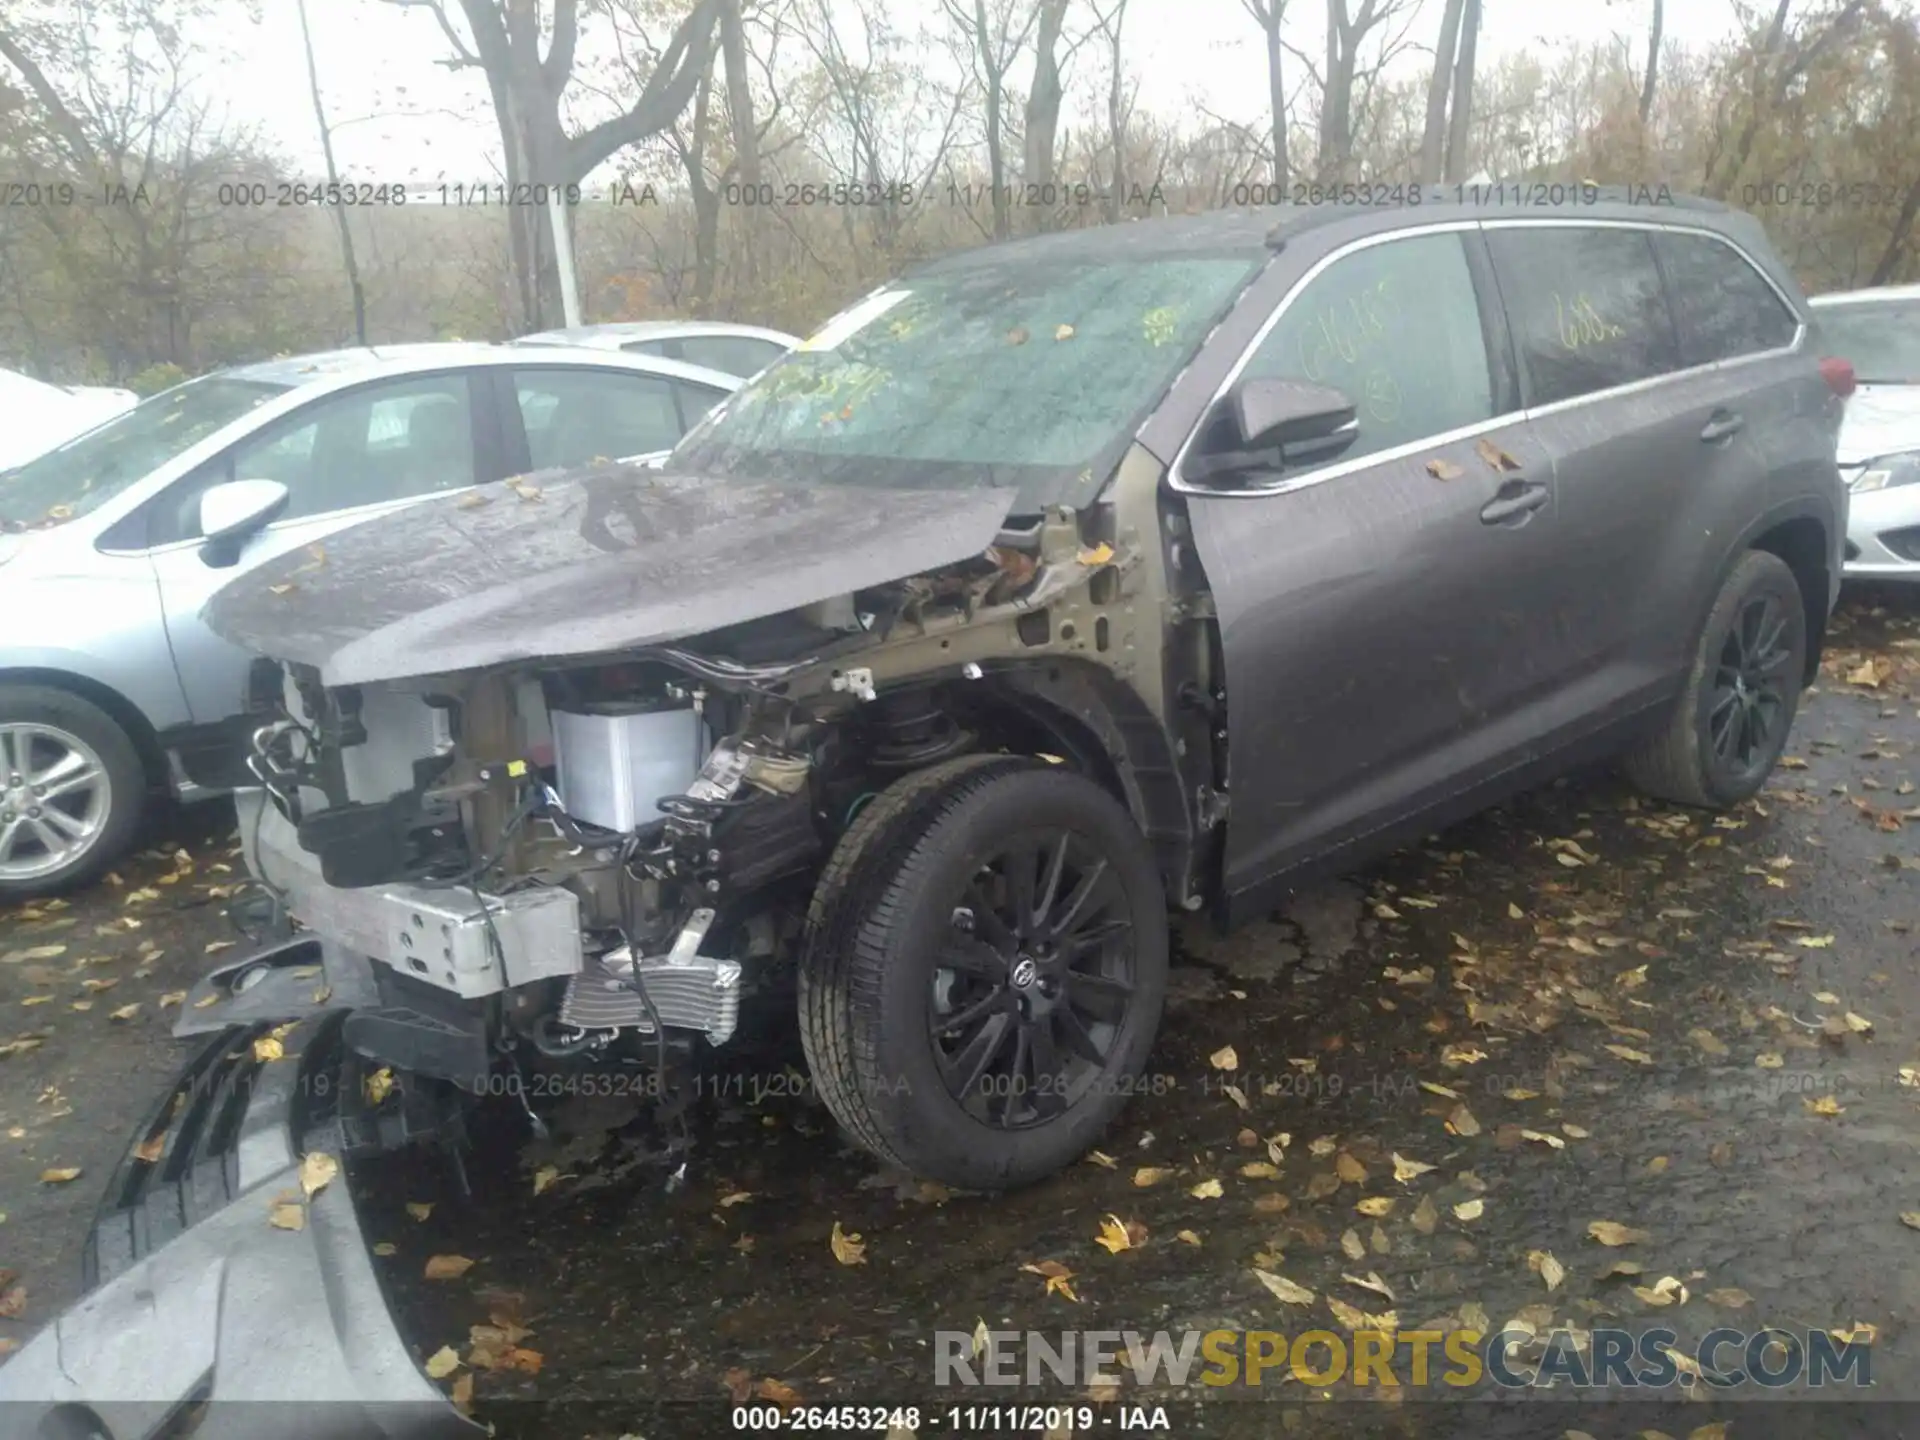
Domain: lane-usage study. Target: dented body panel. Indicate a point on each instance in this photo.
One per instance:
(599, 561)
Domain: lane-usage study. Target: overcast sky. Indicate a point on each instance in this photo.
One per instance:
(369, 51)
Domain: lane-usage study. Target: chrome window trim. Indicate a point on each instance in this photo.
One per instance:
(1181, 485)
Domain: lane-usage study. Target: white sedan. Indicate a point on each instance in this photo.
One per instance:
(36, 416)
(1878, 333)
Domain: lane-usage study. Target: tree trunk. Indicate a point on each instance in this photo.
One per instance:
(1462, 118)
(1896, 249)
(1276, 93)
(1439, 84)
(706, 201)
(1043, 107)
(746, 139)
(333, 178)
(996, 157)
(1653, 63)
(1116, 119)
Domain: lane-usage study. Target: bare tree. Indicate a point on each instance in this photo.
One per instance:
(1042, 127)
(1111, 23)
(1270, 14)
(1652, 78)
(503, 39)
(333, 178)
(993, 38)
(1461, 121)
(1439, 85)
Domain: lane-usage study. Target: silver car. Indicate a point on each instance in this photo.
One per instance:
(111, 688)
(742, 350)
(1878, 333)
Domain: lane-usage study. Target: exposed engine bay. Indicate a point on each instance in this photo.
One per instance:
(614, 856)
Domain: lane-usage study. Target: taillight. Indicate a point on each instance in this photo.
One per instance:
(1838, 374)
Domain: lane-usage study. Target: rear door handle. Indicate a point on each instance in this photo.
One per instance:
(1516, 500)
(1723, 425)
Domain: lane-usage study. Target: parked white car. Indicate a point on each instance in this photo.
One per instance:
(111, 687)
(36, 416)
(1878, 333)
(742, 350)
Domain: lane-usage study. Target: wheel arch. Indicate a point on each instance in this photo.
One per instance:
(122, 711)
(1804, 545)
(1095, 722)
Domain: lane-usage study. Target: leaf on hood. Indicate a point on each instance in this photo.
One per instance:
(172, 998)
(1436, 1089)
(1260, 1170)
(1376, 1205)
(1814, 942)
(317, 1171)
(848, 1249)
(1208, 1189)
(1730, 1298)
(446, 1267)
(1224, 1058)
(1353, 1246)
(268, 1048)
(1770, 1060)
(378, 1085)
(149, 1150)
(1443, 470)
(1495, 457)
(1540, 1137)
(1470, 1209)
(1611, 1232)
(419, 1209)
(60, 1175)
(1100, 1158)
(124, 1013)
(1859, 1333)
(1460, 1121)
(1859, 1024)
(1186, 1237)
(1349, 1169)
(1150, 1175)
(776, 1392)
(442, 1363)
(546, 1175)
(1638, 1057)
(1283, 1289)
(1711, 1043)
(1824, 1105)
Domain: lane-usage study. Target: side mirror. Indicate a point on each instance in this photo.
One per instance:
(230, 513)
(1274, 424)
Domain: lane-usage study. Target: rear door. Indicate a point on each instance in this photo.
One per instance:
(1379, 612)
(1643, 455)
(574, 415)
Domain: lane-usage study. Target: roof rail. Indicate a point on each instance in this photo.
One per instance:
(1522, 194)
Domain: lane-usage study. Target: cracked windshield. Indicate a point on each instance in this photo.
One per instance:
(998, 376)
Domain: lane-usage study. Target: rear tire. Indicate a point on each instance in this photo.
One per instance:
(1729, 725)
(72, 790)
(948, 1037)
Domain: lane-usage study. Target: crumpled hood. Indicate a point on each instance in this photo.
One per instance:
(1880, 420)
(584, 562)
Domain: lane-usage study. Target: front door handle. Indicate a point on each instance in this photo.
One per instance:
(1515, 500)
(1723, 425)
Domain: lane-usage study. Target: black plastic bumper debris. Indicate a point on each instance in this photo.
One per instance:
(202, 1317)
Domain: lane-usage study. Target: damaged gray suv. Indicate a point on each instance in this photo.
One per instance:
(1051, 588)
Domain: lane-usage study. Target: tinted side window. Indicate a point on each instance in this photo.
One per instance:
(667, 348)
(577, 416)
(731, 354)
(696, 401)
(1396, 327)
(1723, 307)
(361, 447)
(1586, 306)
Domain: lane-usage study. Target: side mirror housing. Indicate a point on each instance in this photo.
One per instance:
(1274, 424)
(230, 513)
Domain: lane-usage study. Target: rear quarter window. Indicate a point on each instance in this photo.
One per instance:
(1723, 308)
(1586, 307)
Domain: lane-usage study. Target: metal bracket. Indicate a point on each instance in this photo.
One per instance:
(1211, 805)
(858, 682)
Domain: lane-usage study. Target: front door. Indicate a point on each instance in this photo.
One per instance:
(1379, 611)
(346, 458)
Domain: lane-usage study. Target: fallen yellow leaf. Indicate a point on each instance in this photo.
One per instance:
(447, 1267)
(317, 1170)
(442, 1363)
(1224, 1059)
(1207, 1190)
(60, 1175)
(847, 1249)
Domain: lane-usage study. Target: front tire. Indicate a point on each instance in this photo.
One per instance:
(71, 791)
(984, 971)
(1730, 724)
